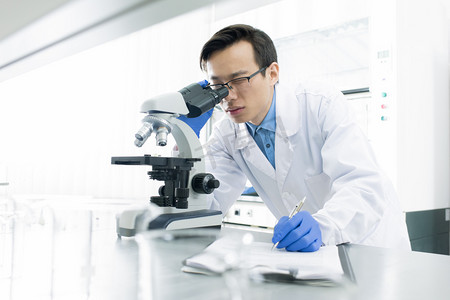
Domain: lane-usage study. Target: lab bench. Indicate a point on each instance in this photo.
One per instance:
(114, 270)
(379, 274)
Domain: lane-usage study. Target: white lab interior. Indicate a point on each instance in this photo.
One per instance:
(70, 94)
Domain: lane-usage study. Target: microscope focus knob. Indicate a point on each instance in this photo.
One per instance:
(181, 195)
(204, 183)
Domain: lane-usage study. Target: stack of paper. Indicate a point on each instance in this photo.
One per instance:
(225, 254)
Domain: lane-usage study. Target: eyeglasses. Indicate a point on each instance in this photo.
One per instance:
(237, 83)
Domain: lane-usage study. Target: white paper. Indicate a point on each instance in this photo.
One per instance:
(226, 254)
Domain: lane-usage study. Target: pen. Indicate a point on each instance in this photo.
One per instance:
(296, 209)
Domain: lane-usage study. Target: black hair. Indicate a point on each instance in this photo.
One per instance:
(263, 47)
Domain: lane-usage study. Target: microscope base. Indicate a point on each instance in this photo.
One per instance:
(205, 218)
(127, 221)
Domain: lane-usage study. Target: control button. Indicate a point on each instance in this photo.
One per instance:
(384, 106)
(384, 118)
(383, 94)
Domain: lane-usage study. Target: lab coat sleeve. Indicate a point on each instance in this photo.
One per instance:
(220, 162)
(357, 199)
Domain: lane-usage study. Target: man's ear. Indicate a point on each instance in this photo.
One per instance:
(273, 72)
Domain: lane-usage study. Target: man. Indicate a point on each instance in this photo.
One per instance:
(294, 143)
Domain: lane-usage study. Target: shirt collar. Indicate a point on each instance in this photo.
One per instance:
(269, 122)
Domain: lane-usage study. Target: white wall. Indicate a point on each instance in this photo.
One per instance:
(424, 47)
(60, 124)
(423, 95)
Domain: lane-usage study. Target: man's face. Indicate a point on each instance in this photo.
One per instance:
(246, 102)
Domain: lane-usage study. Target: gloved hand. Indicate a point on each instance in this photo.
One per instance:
(300, 233)
(197, 123)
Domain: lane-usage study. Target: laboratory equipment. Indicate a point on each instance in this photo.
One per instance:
(186, 184)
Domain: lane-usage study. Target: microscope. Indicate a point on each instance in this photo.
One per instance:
(182, 200)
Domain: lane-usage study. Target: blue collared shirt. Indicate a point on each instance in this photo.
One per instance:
(264, 133)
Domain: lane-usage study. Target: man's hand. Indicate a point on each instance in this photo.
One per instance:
(300, 233)
(197, 123)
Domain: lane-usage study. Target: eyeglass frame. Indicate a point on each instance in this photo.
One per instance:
(236, 79)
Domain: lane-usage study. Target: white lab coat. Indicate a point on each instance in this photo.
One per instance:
(320, 153)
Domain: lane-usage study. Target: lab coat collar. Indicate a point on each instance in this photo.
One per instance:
(287, 111)
(288, 124)
(243, 137)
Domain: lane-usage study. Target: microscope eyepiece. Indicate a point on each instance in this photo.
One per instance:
(201, 99)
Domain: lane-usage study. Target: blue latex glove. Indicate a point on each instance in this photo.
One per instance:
(300, 233)
(197, 123)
